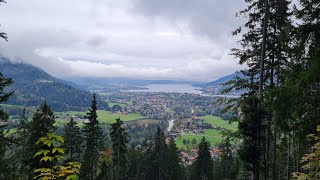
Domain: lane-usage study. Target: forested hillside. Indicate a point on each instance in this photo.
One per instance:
(32, 86)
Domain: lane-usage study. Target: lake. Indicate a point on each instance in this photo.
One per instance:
(169, 88)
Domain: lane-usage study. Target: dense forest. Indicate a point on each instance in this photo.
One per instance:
(278, 117)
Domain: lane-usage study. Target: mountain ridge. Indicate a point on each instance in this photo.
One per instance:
(32, 86)
(218, 81)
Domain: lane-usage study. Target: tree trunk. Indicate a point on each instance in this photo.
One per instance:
(263, 48)
(274, 155)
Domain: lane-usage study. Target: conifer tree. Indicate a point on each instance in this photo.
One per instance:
(120, 150)
(250, 128)
(22, 136)
(41, 124)
(137, 163)
(175, 170)
(105, 171)
(4, 141)
(296, 102)
(93, 143)
(226, 166)
(265, 49)
(203, 166)
(73, 140)
(4, 96)
(158, 160)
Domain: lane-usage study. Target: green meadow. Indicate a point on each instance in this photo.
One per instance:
(216, 121)
(211, 135)
(103, 116)
(214, 136)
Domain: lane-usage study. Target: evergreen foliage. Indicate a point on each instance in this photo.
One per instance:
(226, 165)
(22, 136)
(42, 123)
(203, 166)
(73, 140)
(266, 50)
(158, 160)
(119, 147)
(4, 141)
(93, 143)
(175, 170)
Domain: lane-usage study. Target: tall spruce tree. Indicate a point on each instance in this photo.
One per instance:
(93, 143)
(73, 141)
(4, 141)
(4, 96)
(265, 50)
(22, 136)
(42, 123)
(158, 159)
(251, 128)
(137, 163)
(226, 166)
(203, 165)
(295, 105)
(175, 170)
(120, 150)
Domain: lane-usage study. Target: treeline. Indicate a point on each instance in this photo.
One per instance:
(280, 48)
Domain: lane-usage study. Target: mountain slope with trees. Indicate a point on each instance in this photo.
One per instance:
(32, 86)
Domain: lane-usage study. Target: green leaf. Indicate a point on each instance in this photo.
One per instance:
(60, 138)
(46, 158)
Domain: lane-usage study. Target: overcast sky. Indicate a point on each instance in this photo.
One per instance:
(146, 39)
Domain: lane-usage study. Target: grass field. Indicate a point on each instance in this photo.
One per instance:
(114, 103)
(104, 93)
(211, 135)
(103, 116)
(219, 122)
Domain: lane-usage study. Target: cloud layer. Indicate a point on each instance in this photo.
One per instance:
(150, 39)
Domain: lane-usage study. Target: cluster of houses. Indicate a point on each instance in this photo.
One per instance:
(195, 125)
(189, 158)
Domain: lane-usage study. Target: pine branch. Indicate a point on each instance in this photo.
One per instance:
(4, 36)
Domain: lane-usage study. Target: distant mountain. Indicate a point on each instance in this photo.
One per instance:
(218, 81)
(32, 86)
(92, 83)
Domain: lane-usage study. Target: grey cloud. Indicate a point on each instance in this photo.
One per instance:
(24, 46)
(96, 41)
(210, 18)
(123, 38)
